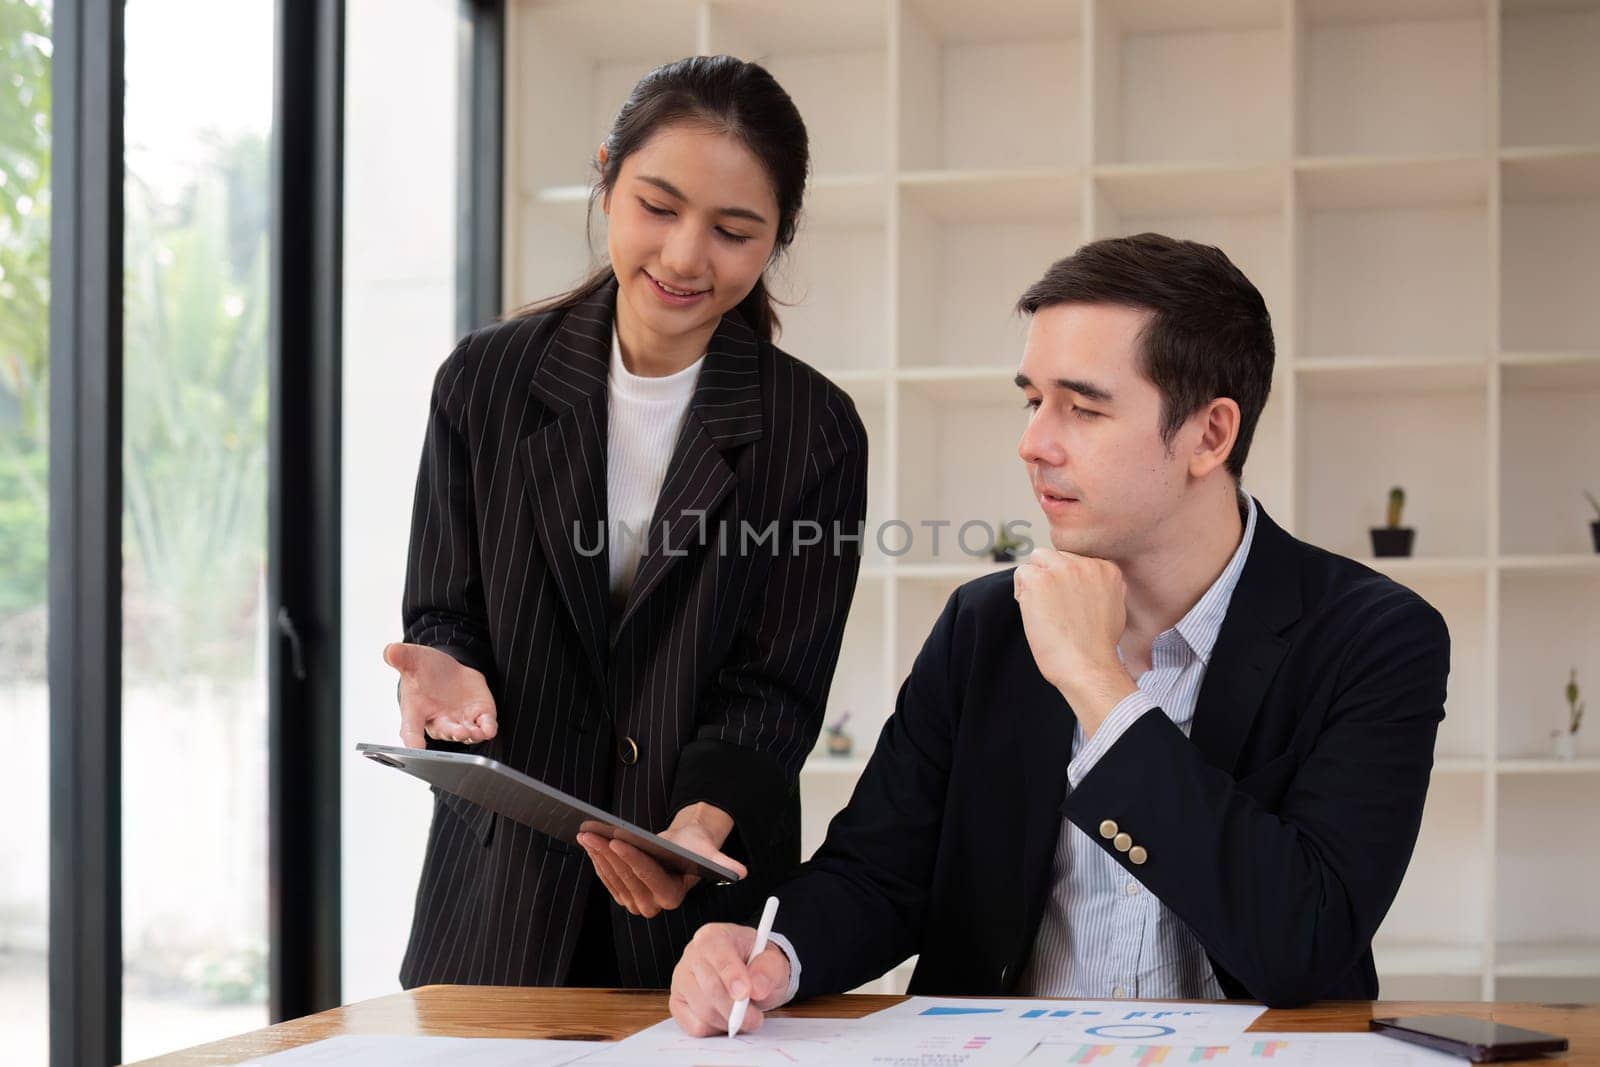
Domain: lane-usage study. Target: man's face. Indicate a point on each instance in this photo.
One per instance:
(1105, 480)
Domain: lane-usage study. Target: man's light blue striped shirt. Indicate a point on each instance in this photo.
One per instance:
(1103, 933)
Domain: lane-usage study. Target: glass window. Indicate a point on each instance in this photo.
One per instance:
(194, 787)
(24, 508)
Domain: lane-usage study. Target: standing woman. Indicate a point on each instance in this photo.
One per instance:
(635, 541)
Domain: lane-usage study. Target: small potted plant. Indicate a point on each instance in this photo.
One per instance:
(1005, 546)
(1594, 527)
(839, 743)
(1393, 539)
(1566, 741)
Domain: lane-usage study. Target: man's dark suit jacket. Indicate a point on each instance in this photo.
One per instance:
(709, 684)
(1278, 831)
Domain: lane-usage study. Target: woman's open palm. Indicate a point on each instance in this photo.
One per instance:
(440, 697)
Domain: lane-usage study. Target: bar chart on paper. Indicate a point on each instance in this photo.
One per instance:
(1247, 1050)
(1151, 1055)
(1130, 1055)
(1090, 1022)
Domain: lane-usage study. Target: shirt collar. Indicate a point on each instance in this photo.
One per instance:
(1203, 622)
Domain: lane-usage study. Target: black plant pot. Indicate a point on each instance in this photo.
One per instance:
(1007, 555)
(1392, 540)
(1594, 531)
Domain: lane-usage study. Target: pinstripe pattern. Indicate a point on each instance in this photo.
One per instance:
(717, 666)
(1104, 934)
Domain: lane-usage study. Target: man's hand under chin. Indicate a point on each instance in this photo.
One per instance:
(1074, 611)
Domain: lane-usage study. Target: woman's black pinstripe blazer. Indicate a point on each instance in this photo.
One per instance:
(715, 672)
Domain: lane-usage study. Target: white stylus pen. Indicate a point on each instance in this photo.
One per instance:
(742, 1005)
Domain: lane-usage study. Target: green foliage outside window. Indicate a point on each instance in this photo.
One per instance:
(195, 411)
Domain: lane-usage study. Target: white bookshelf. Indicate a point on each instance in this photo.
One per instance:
(1414, 185)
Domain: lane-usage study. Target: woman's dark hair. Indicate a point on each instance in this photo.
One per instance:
(1209, 334)
(728, 95)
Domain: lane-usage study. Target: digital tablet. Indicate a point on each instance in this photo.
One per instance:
(495, 786)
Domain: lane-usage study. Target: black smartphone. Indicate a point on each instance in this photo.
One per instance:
(1479, 1040)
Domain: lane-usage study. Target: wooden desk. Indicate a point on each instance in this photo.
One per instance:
(480, 1011)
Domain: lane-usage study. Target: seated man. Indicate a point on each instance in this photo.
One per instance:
(1178, 755)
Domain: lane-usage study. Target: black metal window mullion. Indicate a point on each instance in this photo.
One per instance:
(303, 539)
(85, 566)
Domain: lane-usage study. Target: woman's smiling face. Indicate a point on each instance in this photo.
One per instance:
(692, 223)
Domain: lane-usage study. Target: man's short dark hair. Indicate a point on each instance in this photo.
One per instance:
(1209, 334)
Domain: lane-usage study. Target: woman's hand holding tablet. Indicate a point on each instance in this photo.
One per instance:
(640, 884)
